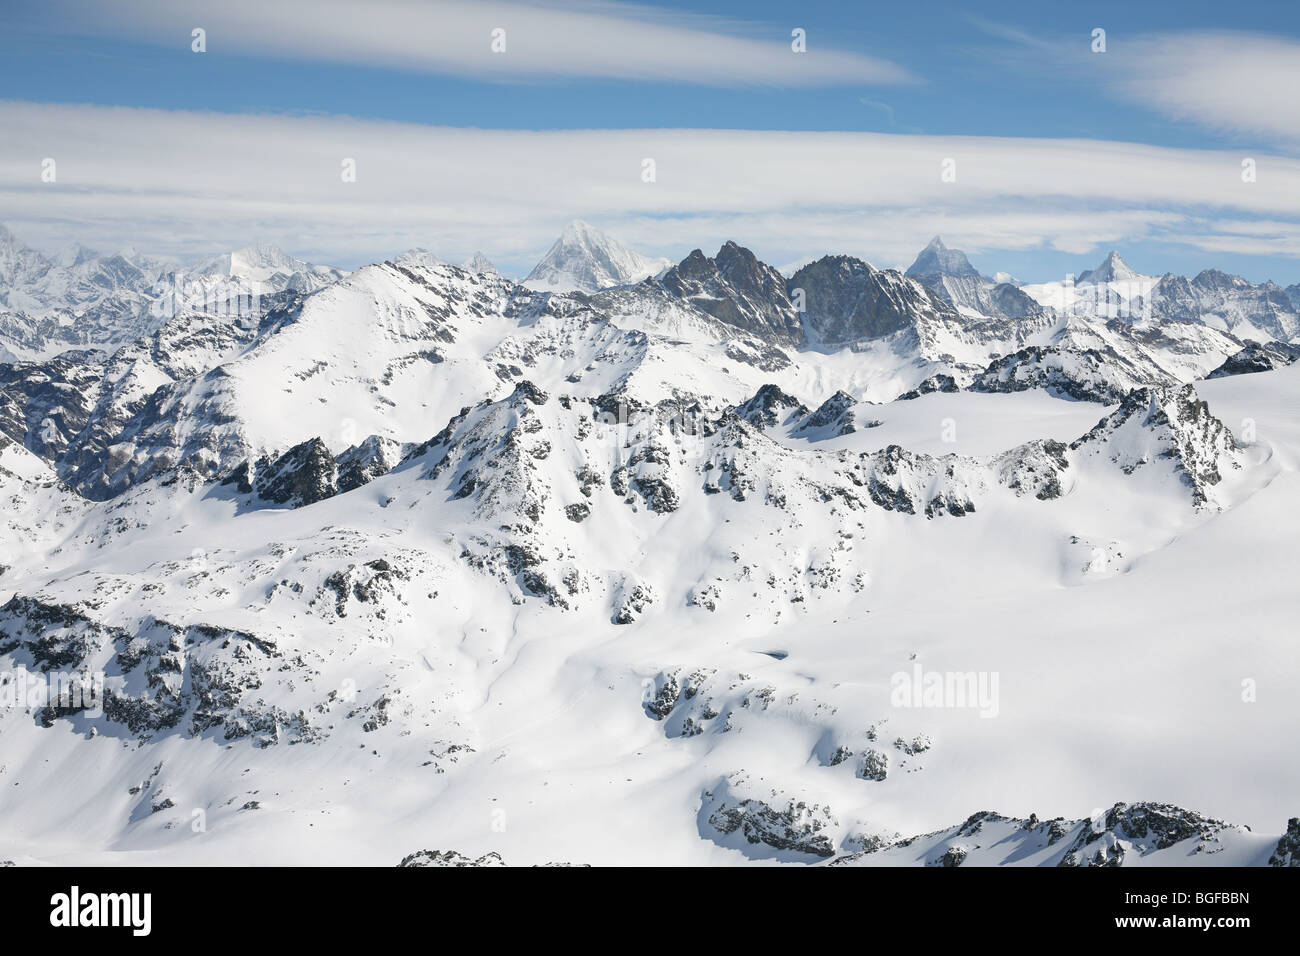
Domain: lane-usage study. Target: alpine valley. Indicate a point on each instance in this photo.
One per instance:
(634, 561)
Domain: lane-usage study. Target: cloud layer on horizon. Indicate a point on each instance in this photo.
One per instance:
(188, 183)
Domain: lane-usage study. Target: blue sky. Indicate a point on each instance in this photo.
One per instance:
(919, 72)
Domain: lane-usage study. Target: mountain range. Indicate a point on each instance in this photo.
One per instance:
(622, 561)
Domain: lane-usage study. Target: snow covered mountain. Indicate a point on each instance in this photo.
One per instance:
(20, 266)
(481, 264)
(1112, 269)
(424, 544)
(584, 259)
(85, 300)
(1229, 303)
(270, 267)
(1226, 303)
(1126, 834)
(938, 259)
(74, 282)
(846, 301)
(950, 276)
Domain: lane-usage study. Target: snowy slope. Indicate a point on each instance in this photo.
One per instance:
(585, 259)
(426, 561)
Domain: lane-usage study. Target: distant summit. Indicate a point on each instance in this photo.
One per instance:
(585, 259)
(259, 261)
(936, 259)
(1112, 269)
(953, 281)
(481, 265)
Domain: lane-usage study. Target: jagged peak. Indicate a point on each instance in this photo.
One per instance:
(937, 259)
(1113, 268)
(1166, 422)
(762, 408)
(585, 259)
(481, 264)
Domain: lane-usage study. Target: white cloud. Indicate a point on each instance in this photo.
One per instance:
(1226, 81)
(1241, 82)
(1288, 247)
(556, 39)
(188, 183)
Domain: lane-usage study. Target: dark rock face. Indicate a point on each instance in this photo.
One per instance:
(308, 473)
(938, 259)
(935, 383)
(1257, 357)
(527, 391)
(846, 300)
(737, 290)
(770, 407)
(160, 677)
(45, 405)
(764, 357)
(1287, 852)
(241, 478)
(456, 858)
(834, 416)
(303, 475)
(952, 857)
(449, 858)
(363, 463)
(797, 827)
(362, 583)
(635, 598)
(1140, 826)
(1118, 837)
(665, 698)
(873, 765)
(1087, 376)
(1185, 431)
(1036, 467)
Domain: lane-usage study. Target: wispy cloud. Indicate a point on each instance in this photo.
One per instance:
(187, 183)
(1225, 81)
(1240, 82)
(557, 39)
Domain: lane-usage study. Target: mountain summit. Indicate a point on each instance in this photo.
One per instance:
(953, 281)
(1112, 269)
(259, 261)
(481, 265)
(585, 259)
(938, 259)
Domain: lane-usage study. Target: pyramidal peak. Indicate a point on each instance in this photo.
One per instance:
(585, 259)
(938, 259)
(1112, 269)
